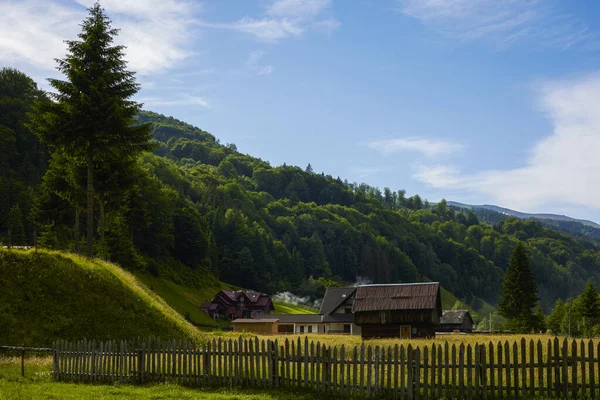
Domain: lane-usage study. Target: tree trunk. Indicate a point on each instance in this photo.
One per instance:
(102, 229)
(90, 206)
(77, 227)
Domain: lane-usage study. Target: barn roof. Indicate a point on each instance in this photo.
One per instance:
(333, 298)
(403, 296)
(454, 316)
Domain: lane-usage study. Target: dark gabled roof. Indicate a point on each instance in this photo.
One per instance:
(454, 316)
(338, 317)
(293, 318)
(404, 296)
(333, 298)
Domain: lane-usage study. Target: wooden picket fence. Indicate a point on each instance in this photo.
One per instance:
(503, 370)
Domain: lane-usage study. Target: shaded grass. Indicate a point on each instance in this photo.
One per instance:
(38, 384)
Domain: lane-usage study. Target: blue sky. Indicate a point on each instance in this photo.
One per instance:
(479, 101)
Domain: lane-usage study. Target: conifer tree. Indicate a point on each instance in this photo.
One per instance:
(589, 309)
(519, 292)
(92, 118)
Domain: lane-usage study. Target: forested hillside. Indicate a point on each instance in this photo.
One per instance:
(197, 206)
(577, 228)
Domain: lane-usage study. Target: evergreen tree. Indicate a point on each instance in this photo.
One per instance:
(588, 308)
(554, 320)
(519, 292)
(92, 119)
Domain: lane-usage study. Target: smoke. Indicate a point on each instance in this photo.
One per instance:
(360, 280)
(291, 298)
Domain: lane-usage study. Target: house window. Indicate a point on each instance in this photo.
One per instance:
(348, 310)
(346, 328)
(310, 329)
(301, 328)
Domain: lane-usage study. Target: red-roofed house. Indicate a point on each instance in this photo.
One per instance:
(239, 304)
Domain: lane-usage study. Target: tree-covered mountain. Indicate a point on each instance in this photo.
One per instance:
(197, 207)
(575, 227)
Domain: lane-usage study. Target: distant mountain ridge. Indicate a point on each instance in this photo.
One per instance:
(522, 215)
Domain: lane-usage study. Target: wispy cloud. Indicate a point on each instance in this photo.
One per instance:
(186, 100)
(505, 22)
(363, 172)
(283, 19)
(561, 169)
(427, 147)
(33, 31)
(253, 63)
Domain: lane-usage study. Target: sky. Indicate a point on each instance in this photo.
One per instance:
(476, 101)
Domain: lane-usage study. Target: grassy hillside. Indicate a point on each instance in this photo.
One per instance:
(288, 308)
(48, 295)
(483, 309)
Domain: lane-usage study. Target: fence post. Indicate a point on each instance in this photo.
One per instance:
(141, 365)
(327, 368)
(273, 361)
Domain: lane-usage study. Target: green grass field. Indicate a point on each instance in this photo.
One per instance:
(287, 308)
(49, 295)
(37, 384)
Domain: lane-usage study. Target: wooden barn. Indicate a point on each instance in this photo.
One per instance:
(405, 310)
(266, 326)
(456, 320)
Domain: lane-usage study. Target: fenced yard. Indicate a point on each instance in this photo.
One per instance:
(556, 368)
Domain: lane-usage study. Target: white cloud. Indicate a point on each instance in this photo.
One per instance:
(283, 19)
(505, 22)
(185, 100)
(427, 147)
(156, 32)
(561, 170)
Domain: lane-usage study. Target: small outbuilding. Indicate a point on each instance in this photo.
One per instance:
(456, 320)
(266, 326)
(406, 310)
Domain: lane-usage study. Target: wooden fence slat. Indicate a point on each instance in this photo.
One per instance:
(507, 369)
(425, 384)
(574, 369)
(582, 367)
(500, 371)
(492, 372)
(531, 369)
(469, 372)
(454, 367)
(447, 369)
(523, 368)
(516, 369)
(565, 369)
(391, 361)
(439, 372)
(417, 373)
(410, 370)
(541, 371)
(592, 370)
(343, 364)
(461, 370)
(369, 370)
(483, 373)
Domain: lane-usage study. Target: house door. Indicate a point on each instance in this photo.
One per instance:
(405, 332)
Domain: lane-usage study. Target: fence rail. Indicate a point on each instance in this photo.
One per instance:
(501, 370)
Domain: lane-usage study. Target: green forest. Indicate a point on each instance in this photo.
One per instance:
(195, 205)
(158, 195)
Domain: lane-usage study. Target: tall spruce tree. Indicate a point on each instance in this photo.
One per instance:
(519, 292)
(589, 308)
(92, 118)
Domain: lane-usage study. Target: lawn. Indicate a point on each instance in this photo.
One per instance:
(37, 384)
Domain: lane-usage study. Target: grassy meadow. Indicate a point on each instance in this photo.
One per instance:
(38, 384)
